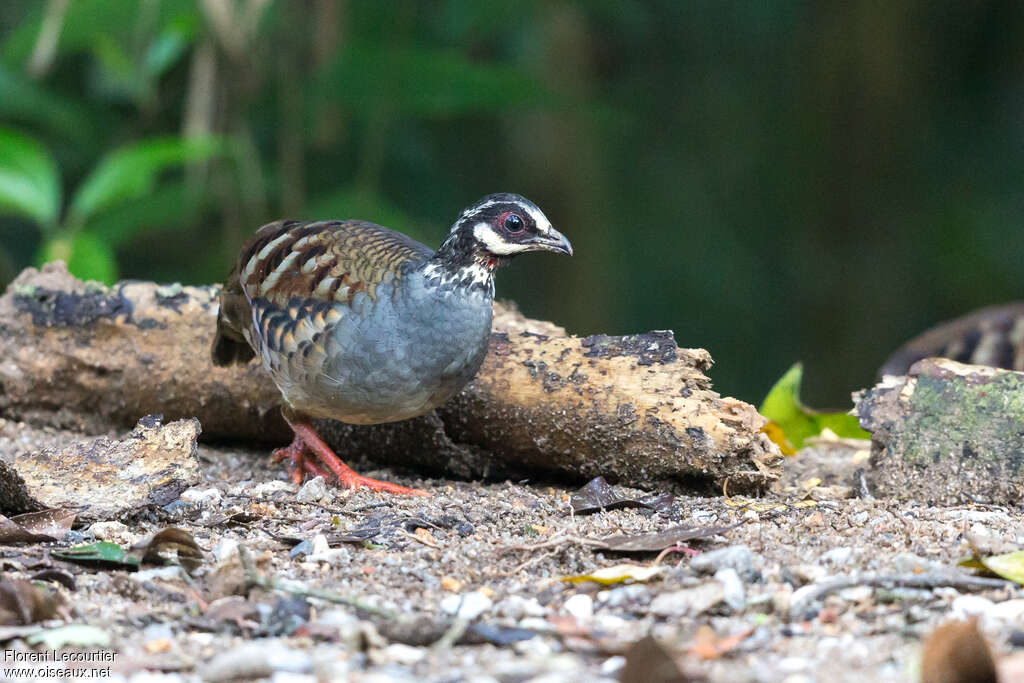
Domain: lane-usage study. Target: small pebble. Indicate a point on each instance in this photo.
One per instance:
(225, 548)
(580, 606)
(253, 660)
(467, 606)
(688, 602)
(970, 605)
(612, 665)
(406, 655)
(624, 595)
(109, 531)
(319, 544)
(313, 491)
(739, 557)
(734, 593)
(199, 496)
(838, 556)
(516, 607)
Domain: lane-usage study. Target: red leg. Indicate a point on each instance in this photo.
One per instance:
(307, 445)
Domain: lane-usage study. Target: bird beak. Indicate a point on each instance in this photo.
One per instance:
(552, 240)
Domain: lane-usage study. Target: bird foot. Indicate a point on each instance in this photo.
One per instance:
(307, 447)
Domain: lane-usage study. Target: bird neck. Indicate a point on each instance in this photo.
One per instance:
(461, 262)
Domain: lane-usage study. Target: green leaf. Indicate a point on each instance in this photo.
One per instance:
(29, 184)
(1009, 565)
(417, 80)
(796, 421)
(88, 257)
(100, 554)
(170, 206)
(24, 100)
(132, 171)
(349, 202)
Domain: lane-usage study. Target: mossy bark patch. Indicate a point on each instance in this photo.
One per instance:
(947, 432)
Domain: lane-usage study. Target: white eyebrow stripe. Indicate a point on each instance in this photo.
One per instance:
(485, 234)
(482, 207)
(542, 222)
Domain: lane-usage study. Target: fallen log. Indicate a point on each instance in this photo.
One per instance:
(636, 408)
(946, 433)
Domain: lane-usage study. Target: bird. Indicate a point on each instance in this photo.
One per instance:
(360, 323)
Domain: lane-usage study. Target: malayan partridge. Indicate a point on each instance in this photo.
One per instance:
(359, 323)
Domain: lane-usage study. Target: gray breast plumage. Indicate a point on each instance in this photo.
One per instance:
(393, 356)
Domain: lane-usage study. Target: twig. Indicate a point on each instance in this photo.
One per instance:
(253, 578)
(554, 541)
(808, 594)
(452, 635)
(536, 559)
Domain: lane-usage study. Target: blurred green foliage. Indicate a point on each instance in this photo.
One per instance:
(774, 182)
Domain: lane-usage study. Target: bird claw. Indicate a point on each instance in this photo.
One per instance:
(307, 447)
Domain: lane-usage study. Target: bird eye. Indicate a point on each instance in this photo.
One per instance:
(513, 223)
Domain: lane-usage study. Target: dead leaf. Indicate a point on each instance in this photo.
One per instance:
(956, 652)
(32, 527)
(656, 542)
(597, 495)
(647, 661)
(170, 546)
(23, 603)
(55, 575)
(708, 645)
(620, 573)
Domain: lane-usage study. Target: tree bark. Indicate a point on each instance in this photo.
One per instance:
(636, 409)
(946, 433)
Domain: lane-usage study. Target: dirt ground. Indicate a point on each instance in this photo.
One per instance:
(468, 583)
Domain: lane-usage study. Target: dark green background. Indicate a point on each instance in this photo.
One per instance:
(775, 181)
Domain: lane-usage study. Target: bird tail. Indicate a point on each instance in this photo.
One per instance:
(229, 351)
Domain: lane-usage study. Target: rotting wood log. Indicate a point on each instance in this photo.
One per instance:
(636, 408)
(947, 433)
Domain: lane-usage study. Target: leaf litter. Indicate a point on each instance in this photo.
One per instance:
(511, 545)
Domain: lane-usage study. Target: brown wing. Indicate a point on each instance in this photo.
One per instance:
(989, 336)
(321, 262)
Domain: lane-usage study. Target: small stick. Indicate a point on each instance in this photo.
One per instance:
(808, 594)
(253, 578)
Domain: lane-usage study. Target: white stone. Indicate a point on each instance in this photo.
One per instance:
(109, 531)
(739, 557)
(319, 543)
(856, 593)
(580, 607)
(200, 496)
(466, 606)
(255, 660)
(225, 548)
(267, 488)
(406, 655)
(734, 593)
(516, 607)
(838, 556)
(688, 602)
(1007, 610)
(970, 605)
(612, 665)
(172, 573)
(313, 491)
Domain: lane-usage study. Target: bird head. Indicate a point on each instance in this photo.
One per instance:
(501, 226)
